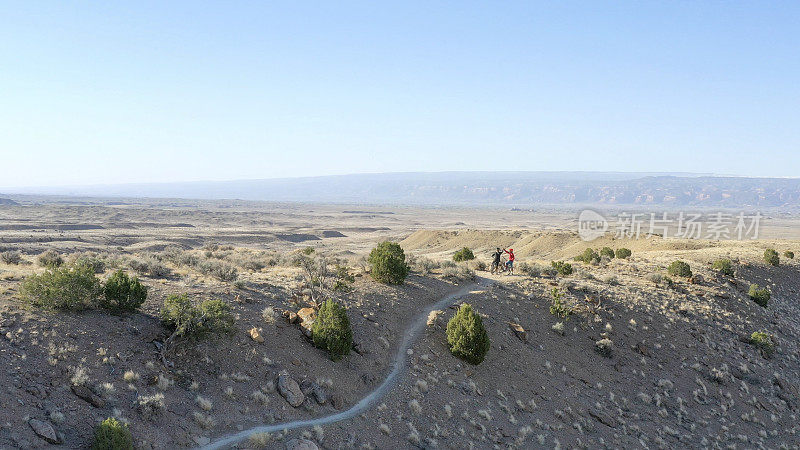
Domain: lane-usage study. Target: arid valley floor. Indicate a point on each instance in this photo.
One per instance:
(680, 371)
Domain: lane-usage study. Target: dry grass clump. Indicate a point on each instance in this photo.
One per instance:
(150, 405)
(11, 257)
(149, 266)
(260, 397)
(79, 376)
(460, 273)
(204, 403)
(130, 376)
(50, 258)
(268, 315)
(604, 347)
(259, 440)
(205, 421)
(219, 270)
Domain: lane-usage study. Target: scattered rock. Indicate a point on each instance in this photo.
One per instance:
(604, 418)
(315, 391)
(87, 395)
(290, 390)
(255, 335)
(641, 349)
(301, 444)
(788, 392)
(432, 316)
(306, 316)
(44, 430)
(338, 401)
(290, 316)
(518, 331)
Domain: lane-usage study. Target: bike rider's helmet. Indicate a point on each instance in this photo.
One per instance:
(511, 250)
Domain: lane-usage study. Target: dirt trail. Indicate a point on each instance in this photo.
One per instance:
(398, 367)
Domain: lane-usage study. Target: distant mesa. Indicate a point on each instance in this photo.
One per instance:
(298, 237)
(366, 212)
(332, 234)
(7, 202)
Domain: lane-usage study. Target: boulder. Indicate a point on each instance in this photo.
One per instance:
(520, 332)
(306, 317)
(44, 430)
(290, 316)
(315, 391)
(255, 335)
(87, 395)
(290, 390)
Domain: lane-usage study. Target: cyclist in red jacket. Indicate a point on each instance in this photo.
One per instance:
(510, 262)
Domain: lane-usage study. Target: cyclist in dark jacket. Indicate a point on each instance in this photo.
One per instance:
(496, 260)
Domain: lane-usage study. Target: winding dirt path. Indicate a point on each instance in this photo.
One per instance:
(398, 368)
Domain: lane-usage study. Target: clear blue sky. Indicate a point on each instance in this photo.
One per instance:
(107, 92)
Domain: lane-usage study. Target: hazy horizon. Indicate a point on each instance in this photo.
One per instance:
(469, 188)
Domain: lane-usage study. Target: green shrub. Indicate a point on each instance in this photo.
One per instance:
(771, 257)
(724, 266)
(679, 269)
(465, 254)
(623, 253)
(72, 288)
(11, 257)
(308, 251)
(589, 256)
(558, 305)
(187, 318)
(759, 295)
(764, 342)
(388, 263)
(607, 252)
(90, 260)
(331, 330)
(466, 335)
(788, 254)
(122, 293)
(50, 259)
(112, 434)
(563, 268)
